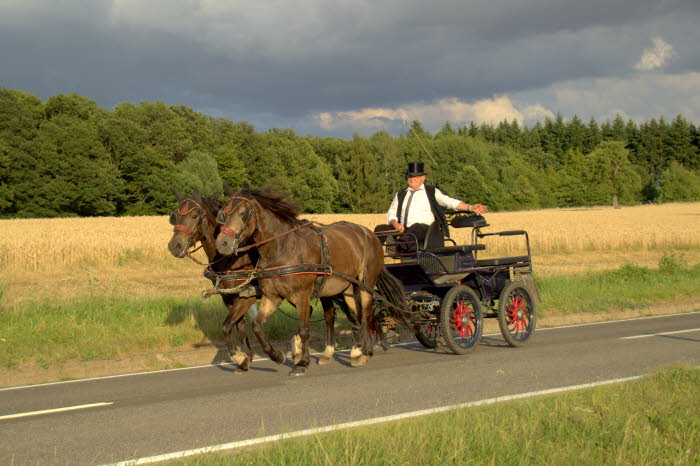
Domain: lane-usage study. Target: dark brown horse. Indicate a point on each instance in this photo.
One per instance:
(195, 221)
(283, 240)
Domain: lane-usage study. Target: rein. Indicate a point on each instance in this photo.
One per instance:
(254, 245)
(228, 208)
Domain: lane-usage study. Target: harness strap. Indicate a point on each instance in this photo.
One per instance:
(321, 279)
(228, 231)
(183, 229)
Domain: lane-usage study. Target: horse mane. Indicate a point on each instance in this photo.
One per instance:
(212, 205)
(277, 203)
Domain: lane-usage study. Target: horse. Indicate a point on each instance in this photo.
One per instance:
(338, 259)
(195, 221)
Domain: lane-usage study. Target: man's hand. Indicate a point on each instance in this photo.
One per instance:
(479, 209)
(397, 226)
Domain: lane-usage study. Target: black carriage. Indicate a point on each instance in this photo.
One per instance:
(451, 290)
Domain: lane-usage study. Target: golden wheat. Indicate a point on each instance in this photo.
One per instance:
(56, 244)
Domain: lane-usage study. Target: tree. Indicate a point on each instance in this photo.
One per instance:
(679, 184)
(611, 170)
(201, 168)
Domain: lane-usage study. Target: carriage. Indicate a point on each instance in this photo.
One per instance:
(451, 290)
(259, 248)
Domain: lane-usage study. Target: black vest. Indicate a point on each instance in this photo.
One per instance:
(438, 211)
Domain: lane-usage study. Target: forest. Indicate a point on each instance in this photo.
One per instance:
(67, 156)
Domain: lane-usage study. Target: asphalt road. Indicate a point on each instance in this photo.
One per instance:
(155, 413)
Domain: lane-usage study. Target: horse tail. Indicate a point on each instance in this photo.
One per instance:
(391, 288)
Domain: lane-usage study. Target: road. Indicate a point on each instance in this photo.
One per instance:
(122, 418)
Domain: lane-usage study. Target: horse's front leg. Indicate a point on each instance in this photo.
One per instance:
(329, 316)
(237, 308)
(266, 308)
(303, 310)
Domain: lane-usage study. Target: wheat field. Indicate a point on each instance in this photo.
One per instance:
(64, 257)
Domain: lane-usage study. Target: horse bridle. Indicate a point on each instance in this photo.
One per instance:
(228, 208)
(187, 206)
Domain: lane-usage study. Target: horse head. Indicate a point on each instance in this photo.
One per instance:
(238, 219)
(189, 223)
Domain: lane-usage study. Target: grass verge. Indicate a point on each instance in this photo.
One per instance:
(621, 424)
(104, 326)
(629, 286)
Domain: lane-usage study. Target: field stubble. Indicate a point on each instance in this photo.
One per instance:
(73, 257)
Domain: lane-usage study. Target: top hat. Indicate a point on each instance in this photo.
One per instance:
(415, 169)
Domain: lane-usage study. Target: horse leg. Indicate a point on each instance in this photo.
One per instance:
(237, 309)
(266, 308)
(354, 304)
(329, 315)
(352, 318)
(359, 356)
(304, 312)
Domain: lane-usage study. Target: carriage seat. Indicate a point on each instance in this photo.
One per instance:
(433, 239)
(501, 261)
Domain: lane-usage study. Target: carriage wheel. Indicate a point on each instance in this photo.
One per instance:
(427, 335)
(516, 313)
(461, 321)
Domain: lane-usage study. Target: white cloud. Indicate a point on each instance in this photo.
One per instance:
(655, 57)
(434, 115)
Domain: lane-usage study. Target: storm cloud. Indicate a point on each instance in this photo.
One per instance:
(335, 67)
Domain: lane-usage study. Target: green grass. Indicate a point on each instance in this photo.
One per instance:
(629, 286)
(101, 326)
(654, 420)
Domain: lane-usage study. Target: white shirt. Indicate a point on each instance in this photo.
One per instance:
(420, 206)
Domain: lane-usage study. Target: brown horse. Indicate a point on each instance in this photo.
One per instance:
(283, 240)
(195, 221)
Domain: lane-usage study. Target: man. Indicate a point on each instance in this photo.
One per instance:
(416, 207)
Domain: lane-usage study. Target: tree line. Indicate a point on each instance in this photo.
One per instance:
(69, 157)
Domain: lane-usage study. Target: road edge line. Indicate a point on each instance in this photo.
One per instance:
(366, 422)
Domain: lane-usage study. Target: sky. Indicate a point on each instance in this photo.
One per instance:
(339, 67)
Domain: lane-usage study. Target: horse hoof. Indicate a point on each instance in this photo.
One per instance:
(359, 361)
(327, 355)
(241, 370)
(298, 370)
(279, 357)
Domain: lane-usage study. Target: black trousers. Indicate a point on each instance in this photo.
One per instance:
(419, 230)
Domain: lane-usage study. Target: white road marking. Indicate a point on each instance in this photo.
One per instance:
(366, 422)
(131, 374)
(55, 410)
(646, 335)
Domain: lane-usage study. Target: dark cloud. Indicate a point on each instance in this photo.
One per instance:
(276, 63)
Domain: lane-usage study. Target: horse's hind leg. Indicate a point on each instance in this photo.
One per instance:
(266, 308)
(303, 309)
(361, 302)
(329, 315)
(366, 348)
